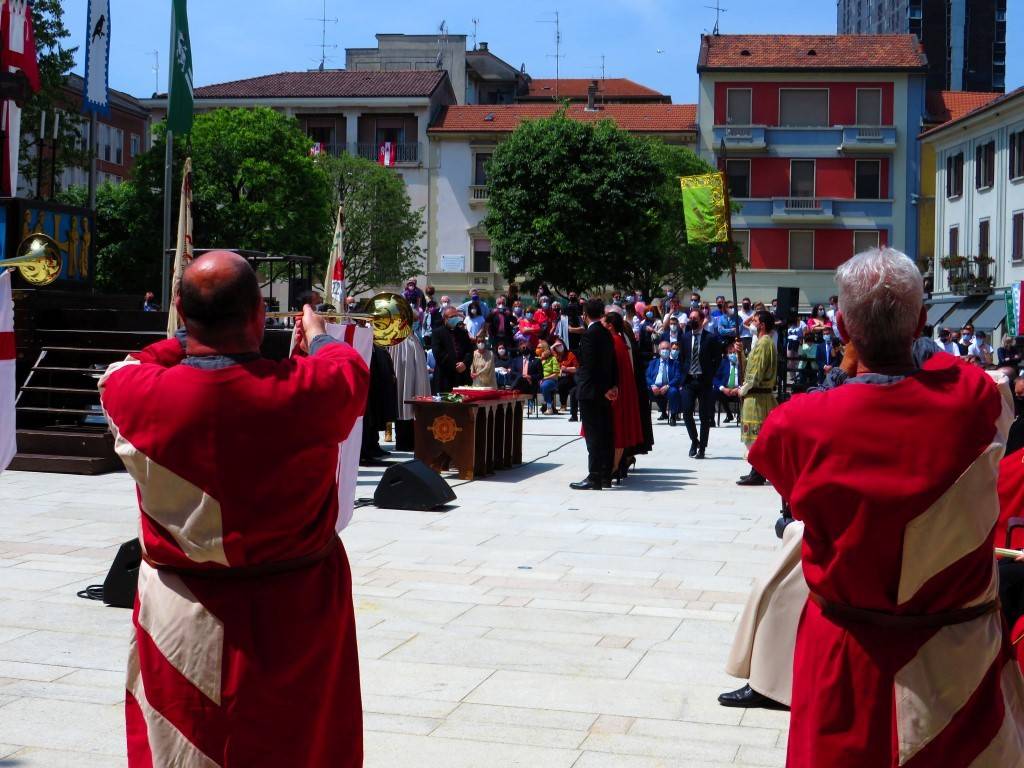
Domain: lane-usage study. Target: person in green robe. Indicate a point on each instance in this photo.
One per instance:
(758, 389)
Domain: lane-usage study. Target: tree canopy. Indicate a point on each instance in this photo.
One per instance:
(587, 205)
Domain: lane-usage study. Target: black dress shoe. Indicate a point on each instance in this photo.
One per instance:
(587, 484)
(693, 449)
(728, 418)
(573, 418)
(672, 420)
(700, 453)
(748, 698)
(754, 478)
(663, 417)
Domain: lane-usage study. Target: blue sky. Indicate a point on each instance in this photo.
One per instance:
(654, 42)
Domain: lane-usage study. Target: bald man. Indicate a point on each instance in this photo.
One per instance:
(244, 649)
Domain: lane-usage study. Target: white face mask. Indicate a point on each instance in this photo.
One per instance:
(481, 346)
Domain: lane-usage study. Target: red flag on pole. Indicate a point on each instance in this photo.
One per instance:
(17, 54)
(386, 154)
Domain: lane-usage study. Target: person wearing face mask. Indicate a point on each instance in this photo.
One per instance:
(1008, 353)
(663, 380)
(946, 343)
(550, 371)
(474, 299)
(449, 366)
(566, 377)
(412, 381)
(826, 356)
(745, 314)
(475, 320)
(728, 377)
(502, 365)
(482, 370)
(701, 355)
(981, 349)
(574, 319)
(501, 324)
(819, 320)
(672, 333)
(833, 307)
(966, 339)
(526, 371)
(414, 295)
(446, 303)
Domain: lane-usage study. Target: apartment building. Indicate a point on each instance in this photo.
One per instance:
(979, 213)
(817, 135)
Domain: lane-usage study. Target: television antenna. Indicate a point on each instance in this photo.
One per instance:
(719, 10)
(476, 28)
(558, 46)
(442, 43)
(156, 71)
(323, 44)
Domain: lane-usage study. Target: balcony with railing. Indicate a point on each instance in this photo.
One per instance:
(748, 138)
(405, 154)
(802, 209)
(478, 194)
(968, 276)
(868, 138)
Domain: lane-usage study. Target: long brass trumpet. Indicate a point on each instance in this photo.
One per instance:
(391, 318)
(38, 260)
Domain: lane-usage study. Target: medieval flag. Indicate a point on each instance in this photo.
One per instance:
(704, 208)
(180, 100)
(317, 149)
(183, 249)
(96, 94)
(361, 338)
(334, 280)
(386, 154)
(8, 446)
(17, 54)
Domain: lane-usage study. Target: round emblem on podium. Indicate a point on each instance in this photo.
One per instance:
(444, 429)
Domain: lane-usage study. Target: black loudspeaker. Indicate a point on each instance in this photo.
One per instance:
(789, 304)
(123, 577)
(412, 485)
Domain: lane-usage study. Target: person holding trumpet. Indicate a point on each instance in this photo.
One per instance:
(243, 649)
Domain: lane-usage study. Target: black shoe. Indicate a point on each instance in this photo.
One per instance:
(693, 449)
(573, 418)
(672, 420)
(728, 418)
(754, 478)
(606, 481)
(587, 484)
(700, 453)
(663, 417)
(748, 698)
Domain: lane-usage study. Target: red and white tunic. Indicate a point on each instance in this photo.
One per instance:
(896, 485)
(231, 664)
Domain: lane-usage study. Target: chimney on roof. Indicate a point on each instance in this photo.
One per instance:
(483, 46)
(592, 96)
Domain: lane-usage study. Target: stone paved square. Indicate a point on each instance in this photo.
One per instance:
(526, 625)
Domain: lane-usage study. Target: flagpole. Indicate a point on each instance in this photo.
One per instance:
(728, 225)
(92, 160)
(168, 177)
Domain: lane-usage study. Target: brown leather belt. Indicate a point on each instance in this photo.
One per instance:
(761, 392)
(840, 613)
(251, 571)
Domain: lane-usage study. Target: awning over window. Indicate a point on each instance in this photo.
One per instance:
(964, 311)
(992, 316)
(938, 309)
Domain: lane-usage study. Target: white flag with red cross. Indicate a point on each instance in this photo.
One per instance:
(386, 154)
(8, 446)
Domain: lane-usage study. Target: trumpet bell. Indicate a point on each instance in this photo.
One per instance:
(392, 319)
(38, 260)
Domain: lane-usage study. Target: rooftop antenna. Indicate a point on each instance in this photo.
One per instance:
(476, 28)
(156, 71)
(558, 47)
(323, 46)
(442, 43)
(602, 66)
(719, 10)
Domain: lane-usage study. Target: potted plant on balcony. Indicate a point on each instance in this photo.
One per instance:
(953, 262)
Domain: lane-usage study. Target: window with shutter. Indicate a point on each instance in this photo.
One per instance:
(1017, 249)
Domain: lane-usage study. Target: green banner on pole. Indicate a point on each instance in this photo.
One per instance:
(704, 209)
(179, 94)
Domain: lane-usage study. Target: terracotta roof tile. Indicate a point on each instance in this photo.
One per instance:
(996, 99)
(576, 88)
(337, 83)
(639, 118)
(814, 52)
(943, 106)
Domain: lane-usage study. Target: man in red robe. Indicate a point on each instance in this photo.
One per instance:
(244, 645)
(901, 657)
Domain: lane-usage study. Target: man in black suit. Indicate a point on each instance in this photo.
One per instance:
(450, 367)
(525, 371)
(699, 358)
(596, 382)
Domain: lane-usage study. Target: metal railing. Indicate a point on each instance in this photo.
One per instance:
(969, 276)
(738, 132)
(803, 204)
(404, 153)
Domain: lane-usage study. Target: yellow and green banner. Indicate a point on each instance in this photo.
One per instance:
(704, 208)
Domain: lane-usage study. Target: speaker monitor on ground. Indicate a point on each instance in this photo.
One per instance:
(412, 485)
(123, 577)
(789, 304)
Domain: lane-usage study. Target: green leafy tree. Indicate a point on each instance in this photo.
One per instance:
(588, 205)
(382, 229)
(55, 62)
(254, 184)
